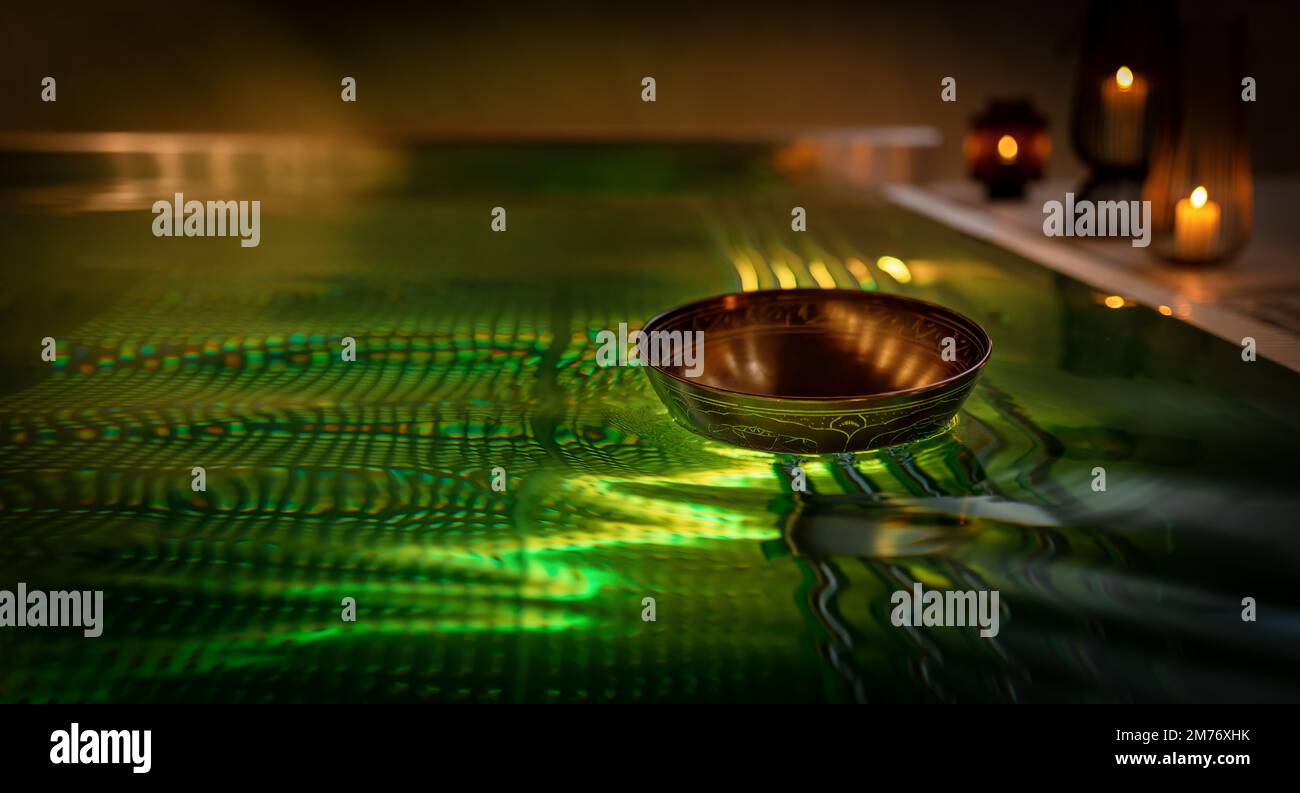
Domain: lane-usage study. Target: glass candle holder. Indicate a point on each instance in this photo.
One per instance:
(1199, 183)
(1124, 93)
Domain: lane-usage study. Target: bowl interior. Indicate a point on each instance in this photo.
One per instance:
(809, 344)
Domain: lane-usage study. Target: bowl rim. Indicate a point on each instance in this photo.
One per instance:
(856, 294)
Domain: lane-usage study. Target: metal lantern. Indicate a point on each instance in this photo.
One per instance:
(1007, 147)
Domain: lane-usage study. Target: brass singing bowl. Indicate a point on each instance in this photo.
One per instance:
(815, 371)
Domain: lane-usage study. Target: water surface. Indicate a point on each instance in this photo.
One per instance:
(372, 479)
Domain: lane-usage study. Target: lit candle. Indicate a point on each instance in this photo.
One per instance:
(1007, 149)
(1196, 227)
(1123, 117)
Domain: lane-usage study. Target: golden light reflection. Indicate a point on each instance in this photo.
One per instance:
(818, 270)
(746, 270)
(888, 350)
(146, 166)
(798, 268)
(784, 275)
(904, 373)
(859, 270)
(648, 510)
(764, 269)
(924, 271)
(895, 268)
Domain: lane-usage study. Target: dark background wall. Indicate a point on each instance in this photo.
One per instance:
(430, 70)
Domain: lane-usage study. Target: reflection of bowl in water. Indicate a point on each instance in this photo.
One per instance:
(829, 526)
(813, 371)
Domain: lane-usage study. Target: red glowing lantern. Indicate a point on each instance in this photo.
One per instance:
(1007, 147)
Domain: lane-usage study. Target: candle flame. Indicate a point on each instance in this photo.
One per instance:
(1008, 149)
(1115, 301)
(1124, 78)
(1199, 196)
